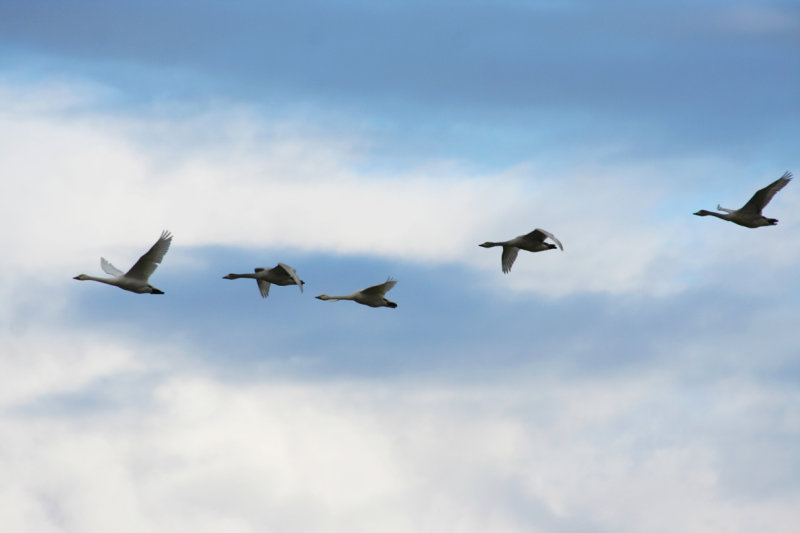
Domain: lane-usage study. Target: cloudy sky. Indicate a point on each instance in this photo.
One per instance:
(645, 379)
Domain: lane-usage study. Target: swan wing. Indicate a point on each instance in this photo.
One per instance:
(552, 238)
(263, 287)
(292, 273)
(763, 196)
(381, 289)
(536, 235)
(508, 258)
(540, 235)
(110, 269)
(148, 263)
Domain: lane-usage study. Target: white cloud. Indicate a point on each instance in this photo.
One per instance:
(273, 454)
(39, 362)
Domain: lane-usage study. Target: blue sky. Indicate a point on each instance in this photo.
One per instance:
(645, 379)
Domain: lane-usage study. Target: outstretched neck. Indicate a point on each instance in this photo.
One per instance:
(87, 277)
(336, 298)
(704, 213)
(237, 276)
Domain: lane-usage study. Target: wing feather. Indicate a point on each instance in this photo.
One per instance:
(508, 258)
(537, 235)
(551, 237)
(263, 287)
(148, 263)
(381, 289)
(110, 269)
(292, 273)
(762, 197)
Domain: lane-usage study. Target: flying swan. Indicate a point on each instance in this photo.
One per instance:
(135, 279)
(532, 242)
(749, 215)
(372, 296)
(281, 274)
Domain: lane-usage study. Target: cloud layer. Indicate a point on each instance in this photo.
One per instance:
(193, 451)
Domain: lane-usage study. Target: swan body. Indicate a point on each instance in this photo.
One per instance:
(372, 296)
(749, 215)
(281, 274)
(135, 279)
(532, 242)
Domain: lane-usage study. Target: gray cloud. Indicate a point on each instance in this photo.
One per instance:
(674, 78)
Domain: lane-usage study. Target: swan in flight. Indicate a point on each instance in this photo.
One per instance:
(749, 215)
(135, 279)
(532, 242)
(372, 296)
(281, 274)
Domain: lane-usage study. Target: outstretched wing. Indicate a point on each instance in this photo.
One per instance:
(147, 264)
(291, 273)
(381, 289)
(540, 235)
(263, 287)
(508, 257)
(110, 269)
(536, 235)
(762, 197)
(552, 238)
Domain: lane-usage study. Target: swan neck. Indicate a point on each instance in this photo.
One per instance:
(723, 216)
(87, 277)
(343, 297)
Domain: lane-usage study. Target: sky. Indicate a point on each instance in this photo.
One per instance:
(647, 378)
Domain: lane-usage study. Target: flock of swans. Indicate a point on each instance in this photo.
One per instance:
(137, 278)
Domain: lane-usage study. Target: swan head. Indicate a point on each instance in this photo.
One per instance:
(81, 277)
(487, 245)
(153, 290)
(772, 221)
(551, 246)
(323, 297)
(229, 276)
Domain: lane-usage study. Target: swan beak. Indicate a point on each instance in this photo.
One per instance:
(77, 277)
(156, 291)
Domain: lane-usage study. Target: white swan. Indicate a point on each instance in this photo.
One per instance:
(749, 215)
(532, 242)
(281, 274)
(371, 296)
(135, 279)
